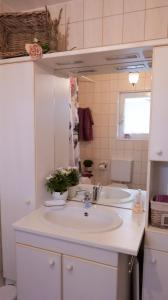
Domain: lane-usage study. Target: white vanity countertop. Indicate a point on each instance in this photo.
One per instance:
(125, 239)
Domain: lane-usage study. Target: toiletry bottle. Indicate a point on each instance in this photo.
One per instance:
(138, 203)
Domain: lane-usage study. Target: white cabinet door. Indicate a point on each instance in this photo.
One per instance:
(88, 280)
(158, 146)
(155, 283)
(38, 274)
(17, 154)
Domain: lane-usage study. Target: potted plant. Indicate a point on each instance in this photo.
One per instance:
(73, 181)
(62, 181)
(73, 176)
(57, 184)
(88, 163)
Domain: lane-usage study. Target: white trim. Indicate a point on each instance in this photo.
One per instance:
(105, 49)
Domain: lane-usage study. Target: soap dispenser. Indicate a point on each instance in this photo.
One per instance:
(138, 203)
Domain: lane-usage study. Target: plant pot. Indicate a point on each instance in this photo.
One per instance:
(88, 169)
(59, 196)
(72, 191)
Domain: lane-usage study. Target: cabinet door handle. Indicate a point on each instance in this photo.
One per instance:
(69, 267)
(51, 262)
(153, 260)
(159, 152)
(28, 202)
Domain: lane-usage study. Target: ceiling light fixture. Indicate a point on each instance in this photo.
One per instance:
(133, 78)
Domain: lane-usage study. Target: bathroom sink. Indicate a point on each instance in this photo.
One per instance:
(108, 195)
(114, 195)
(77, 218)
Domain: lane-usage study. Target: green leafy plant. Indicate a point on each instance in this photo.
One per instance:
(57, 182)
(73, 176)
(62, 179)
(88, 163)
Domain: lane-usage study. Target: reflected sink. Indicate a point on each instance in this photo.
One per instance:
(76, 218)
(114, 195)
(109, 195)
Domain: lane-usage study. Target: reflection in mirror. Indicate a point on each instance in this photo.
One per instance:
(102, 94)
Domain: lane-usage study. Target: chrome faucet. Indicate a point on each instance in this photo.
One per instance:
(96, 192)
(87, 200)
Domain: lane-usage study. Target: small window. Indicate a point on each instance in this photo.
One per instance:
(134, 115)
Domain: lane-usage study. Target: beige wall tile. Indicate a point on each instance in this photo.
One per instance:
(102, 86)
(156, 23)
(134, 26)
(74, 11)
(101, 120)
(93, 33)
(156, 3)
(134, 5)
(99, 98)
(75, 35)
(112, 30)
(100, 108)
(112, 7)
(93, 9)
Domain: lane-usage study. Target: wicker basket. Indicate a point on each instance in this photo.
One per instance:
(18, 29)
(159, 214)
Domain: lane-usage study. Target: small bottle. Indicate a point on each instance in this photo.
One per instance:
(138, 203)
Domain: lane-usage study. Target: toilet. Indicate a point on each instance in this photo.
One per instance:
(8, 292)
(121, 173)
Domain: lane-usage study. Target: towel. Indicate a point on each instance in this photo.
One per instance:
(161, 198)
(85, 124)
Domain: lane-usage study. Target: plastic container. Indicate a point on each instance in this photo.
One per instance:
(138, 203)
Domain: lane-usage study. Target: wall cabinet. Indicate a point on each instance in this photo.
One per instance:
(155, 272)
(155, 275)
(33, 105)
(43, 274)
(158, 146)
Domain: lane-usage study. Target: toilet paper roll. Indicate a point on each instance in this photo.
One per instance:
(102, 166)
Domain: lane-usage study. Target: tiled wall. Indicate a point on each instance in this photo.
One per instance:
(94, 23)
(102, 96)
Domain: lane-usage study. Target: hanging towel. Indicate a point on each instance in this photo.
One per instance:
(85, 124)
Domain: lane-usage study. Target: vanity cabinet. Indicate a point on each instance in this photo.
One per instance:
(158, 144)
(155, 275)
(43, 274)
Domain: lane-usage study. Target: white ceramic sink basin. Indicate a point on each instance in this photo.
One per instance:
(76, 218)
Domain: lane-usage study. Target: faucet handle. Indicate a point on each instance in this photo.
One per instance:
(87, 196)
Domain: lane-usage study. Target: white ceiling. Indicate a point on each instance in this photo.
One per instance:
(29, 4)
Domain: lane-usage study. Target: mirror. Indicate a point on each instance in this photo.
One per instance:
(102, 93)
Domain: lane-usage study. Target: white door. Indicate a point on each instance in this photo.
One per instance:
(155, 275)
(38, 274)
(86, 280)
(158, 146)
